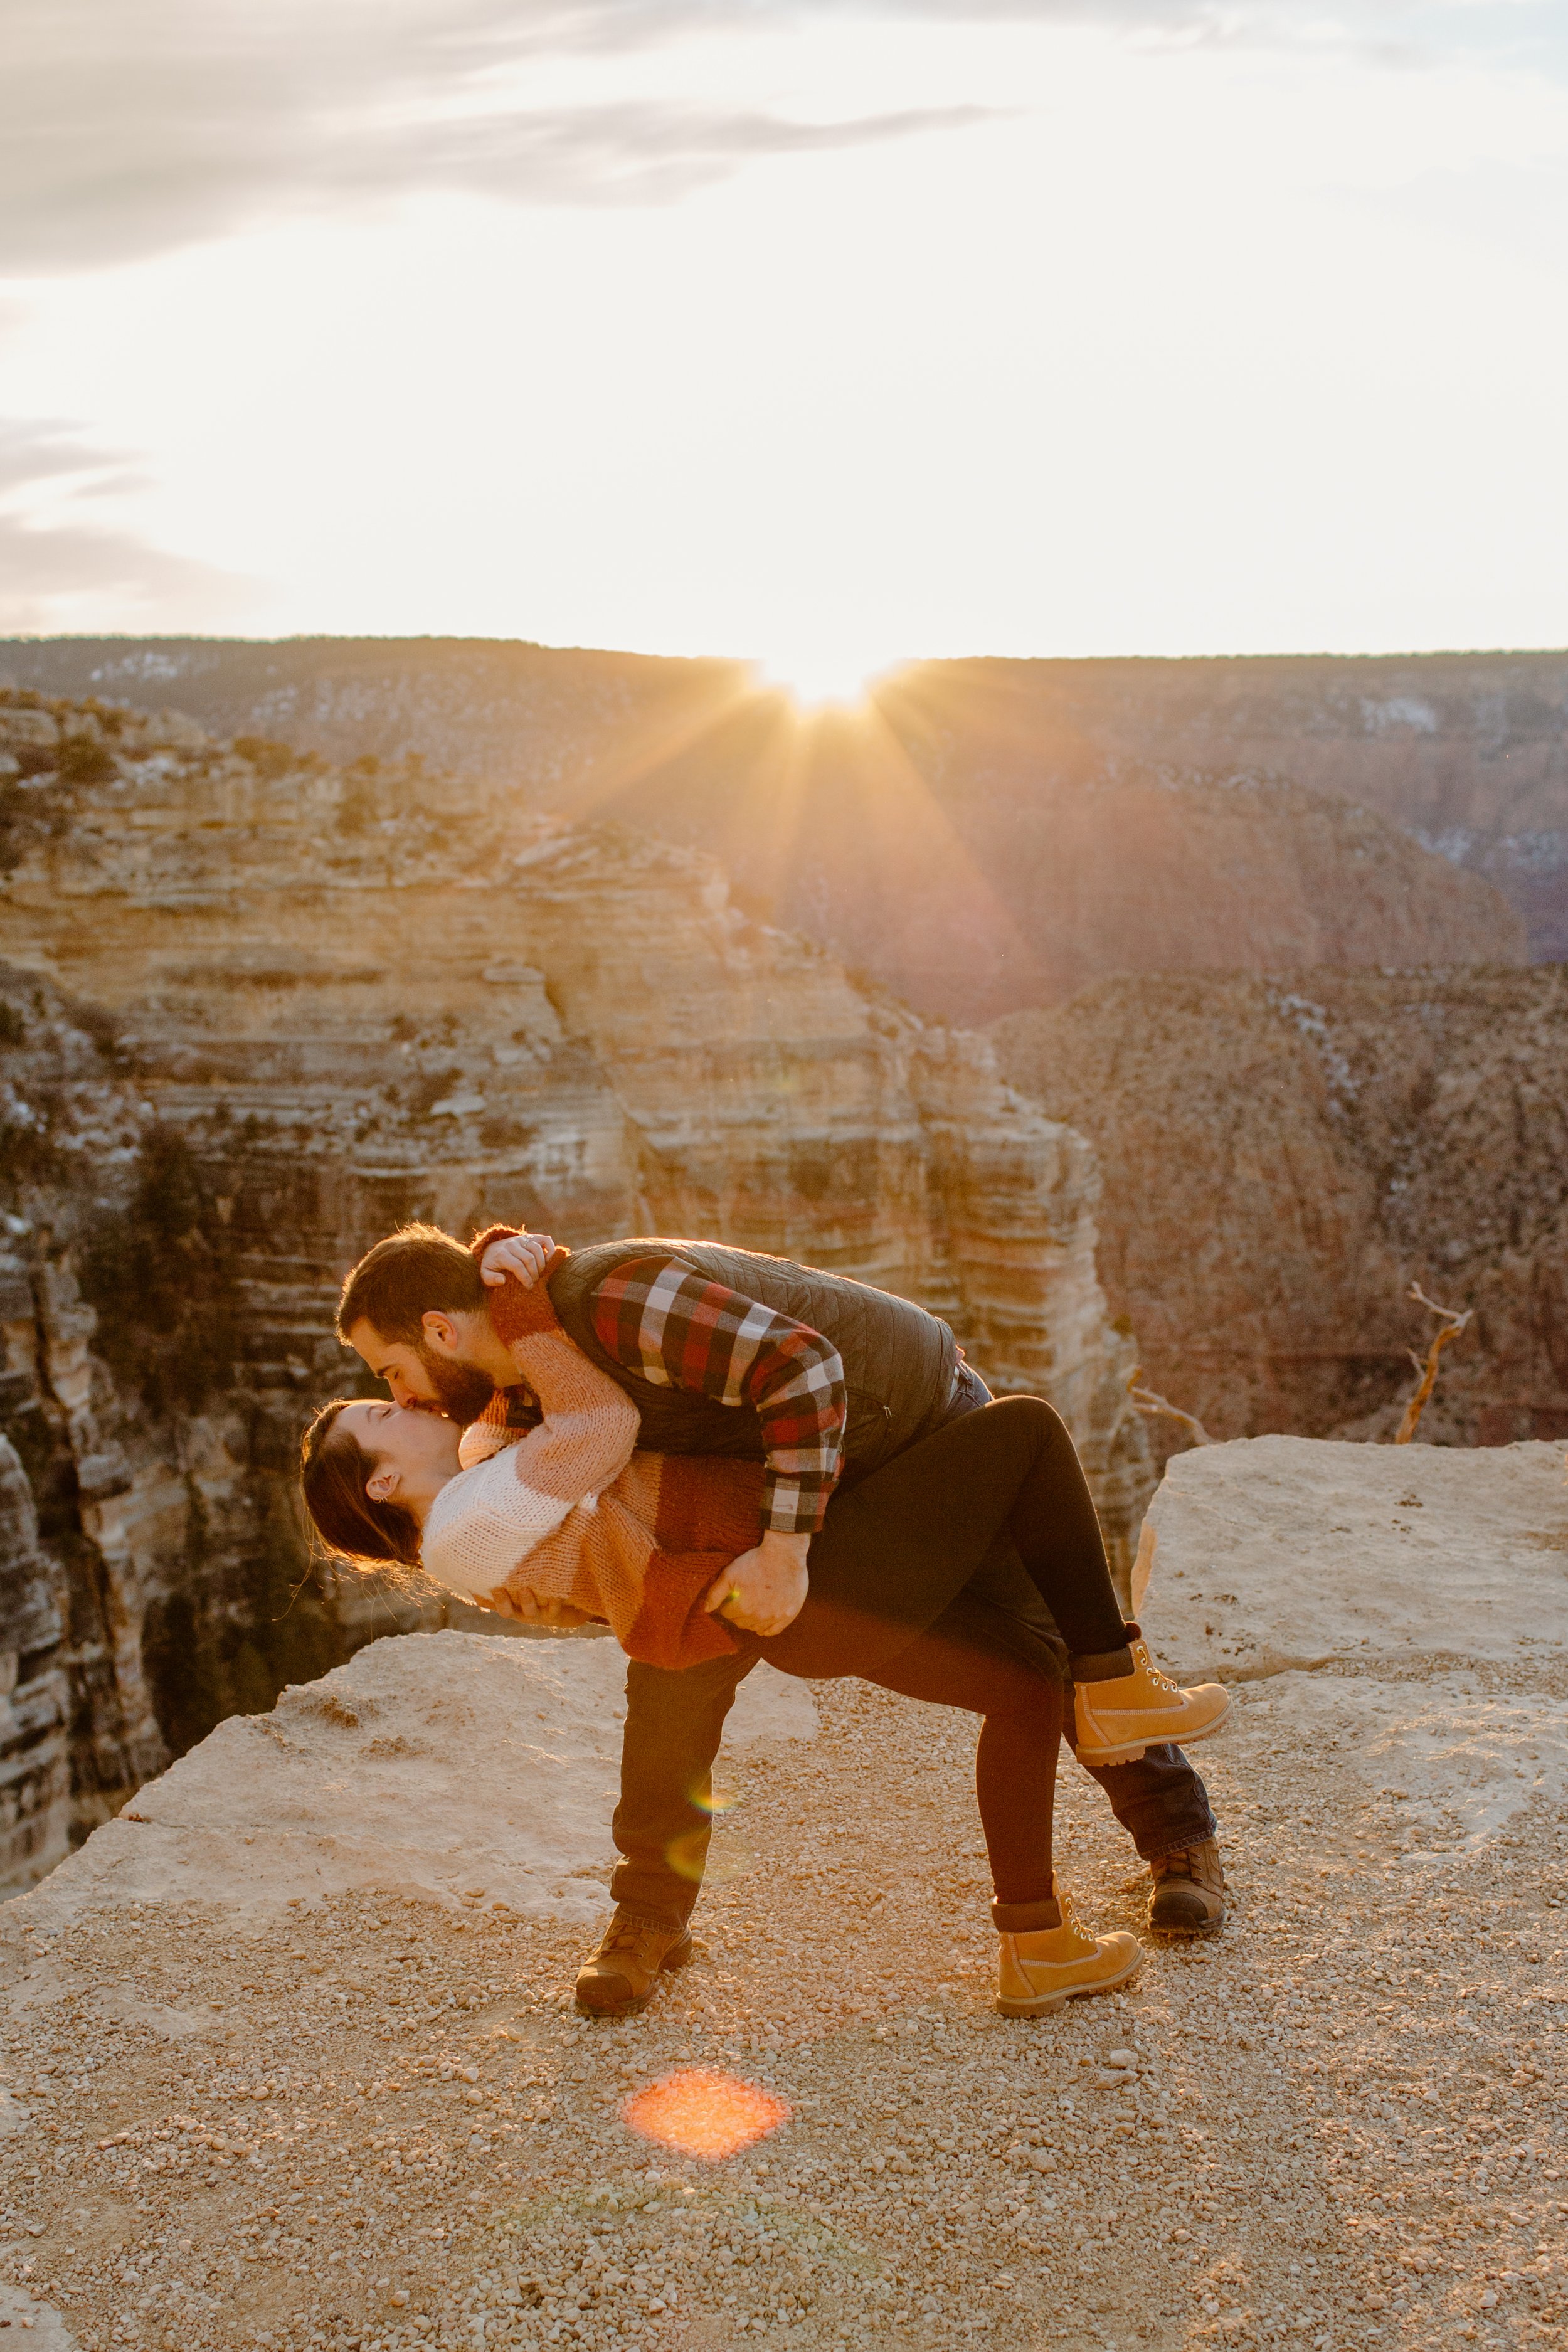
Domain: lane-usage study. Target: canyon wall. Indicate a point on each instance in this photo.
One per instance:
(254, 1011)
(1283, 1156)
(983, 836)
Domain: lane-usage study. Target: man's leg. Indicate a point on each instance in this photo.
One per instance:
(662, 1825)
(1160, 1802)
(1165, 1807)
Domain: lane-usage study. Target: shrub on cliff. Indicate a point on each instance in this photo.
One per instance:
(161, 1275)
(268, 759)
(82, 760)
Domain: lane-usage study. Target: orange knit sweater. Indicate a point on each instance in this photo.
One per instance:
(571, 1512)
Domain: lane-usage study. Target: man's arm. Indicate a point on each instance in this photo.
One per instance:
(679, 1330)
(675, 1329)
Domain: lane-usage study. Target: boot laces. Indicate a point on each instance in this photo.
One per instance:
(1191, 1862)
(1160, 1681)
(627, 1933)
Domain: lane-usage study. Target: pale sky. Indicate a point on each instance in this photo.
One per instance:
(825, 334)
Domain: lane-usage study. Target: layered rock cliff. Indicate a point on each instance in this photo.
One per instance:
(261, 1009)
(150, 1581)
(985, 835)
(1282, 1158)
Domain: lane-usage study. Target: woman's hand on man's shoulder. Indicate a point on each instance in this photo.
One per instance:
(522, 1256)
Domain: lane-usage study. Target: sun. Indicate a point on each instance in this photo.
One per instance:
(823, 677)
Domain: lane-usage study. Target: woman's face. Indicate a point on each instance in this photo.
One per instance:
(414, 1452)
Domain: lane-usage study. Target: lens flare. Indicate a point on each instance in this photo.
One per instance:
(690, 1856)
(705, 2115)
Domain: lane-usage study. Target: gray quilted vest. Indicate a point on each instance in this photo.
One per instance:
(900, 1362)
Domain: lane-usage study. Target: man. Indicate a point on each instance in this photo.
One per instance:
(723, 1351)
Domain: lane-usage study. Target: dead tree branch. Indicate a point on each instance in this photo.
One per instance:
(1453, 1323)
(1150, 1401)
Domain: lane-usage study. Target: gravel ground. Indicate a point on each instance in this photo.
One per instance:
(379, 2125)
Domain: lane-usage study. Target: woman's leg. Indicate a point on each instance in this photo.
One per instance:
(1122, 1703)
(982, 1656)
(1011, 1466)
(1054, 1523)
(1020, 1706)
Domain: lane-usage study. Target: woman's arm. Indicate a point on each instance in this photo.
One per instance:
(525, 1607)
(502, 1508)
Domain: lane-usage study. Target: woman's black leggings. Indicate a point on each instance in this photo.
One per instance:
(1009, 1470)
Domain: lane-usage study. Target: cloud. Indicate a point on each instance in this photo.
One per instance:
(70, 570)
(130, 126)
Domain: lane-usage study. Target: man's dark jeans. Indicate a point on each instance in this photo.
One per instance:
(673, 1725)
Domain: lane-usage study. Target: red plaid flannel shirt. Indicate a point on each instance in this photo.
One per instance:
(680, 1331)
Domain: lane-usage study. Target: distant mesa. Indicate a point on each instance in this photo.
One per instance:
(982, 835)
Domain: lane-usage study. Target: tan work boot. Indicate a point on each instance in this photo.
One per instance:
(1188, 1895)
(620, 1978)
(1040, 1968)
(1115, 1720)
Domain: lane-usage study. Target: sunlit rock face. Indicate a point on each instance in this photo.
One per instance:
(261, 1010)
(1283, 1158)
(35, 1776)
(985, 836)
(1395, 1613)
(365, 1778)
(148, 1574)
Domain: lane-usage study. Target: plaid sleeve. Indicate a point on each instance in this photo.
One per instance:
(664, 1320)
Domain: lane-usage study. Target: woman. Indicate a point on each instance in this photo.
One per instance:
(931, 1577)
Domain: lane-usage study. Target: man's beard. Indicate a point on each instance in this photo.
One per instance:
(461, 1390)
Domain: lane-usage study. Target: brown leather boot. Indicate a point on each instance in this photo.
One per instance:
(620, 1978)
(1188, 1894)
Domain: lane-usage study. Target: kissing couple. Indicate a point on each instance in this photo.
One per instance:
(725, 1457)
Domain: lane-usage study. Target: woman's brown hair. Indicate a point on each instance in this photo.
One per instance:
(334, 1471)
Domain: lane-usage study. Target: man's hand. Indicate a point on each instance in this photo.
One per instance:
(528, 1609)
(764, 1590)
(526, 1255)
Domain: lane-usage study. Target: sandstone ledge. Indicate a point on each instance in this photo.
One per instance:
(1341, 2126)
(449, 1768)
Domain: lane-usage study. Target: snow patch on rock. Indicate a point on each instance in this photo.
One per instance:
(464, 1769)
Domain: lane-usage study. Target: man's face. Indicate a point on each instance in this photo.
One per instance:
(430, 1372)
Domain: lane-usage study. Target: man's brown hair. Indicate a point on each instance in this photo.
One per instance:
(416, 1271)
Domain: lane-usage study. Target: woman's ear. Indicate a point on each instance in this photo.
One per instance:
(382, 1485)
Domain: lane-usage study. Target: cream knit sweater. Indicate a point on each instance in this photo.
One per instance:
(571, 1511)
